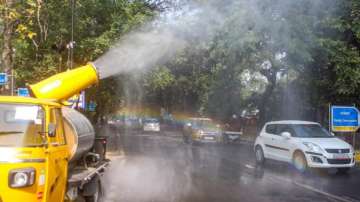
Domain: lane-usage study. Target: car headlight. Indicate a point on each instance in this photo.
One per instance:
(352, 149)
(21, 177)
(313, 147)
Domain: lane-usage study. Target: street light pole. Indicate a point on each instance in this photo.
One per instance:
(287, 93)
(12, 82)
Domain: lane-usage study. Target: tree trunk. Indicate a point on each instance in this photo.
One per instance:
(7, 51)
(264, 99)
(263, 117)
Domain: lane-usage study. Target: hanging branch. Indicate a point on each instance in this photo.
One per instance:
(38, 14)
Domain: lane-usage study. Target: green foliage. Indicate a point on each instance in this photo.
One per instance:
(160, 79)
(266, 54)
(43, 33)
(343, 48)
(319, 44)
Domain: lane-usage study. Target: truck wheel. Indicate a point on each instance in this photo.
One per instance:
(190, 141)
(97, 196)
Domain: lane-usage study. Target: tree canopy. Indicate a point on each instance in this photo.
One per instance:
(285, 59)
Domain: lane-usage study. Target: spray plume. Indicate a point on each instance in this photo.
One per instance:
(158, 41)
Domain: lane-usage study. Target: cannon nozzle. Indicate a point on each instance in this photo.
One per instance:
(62, 86)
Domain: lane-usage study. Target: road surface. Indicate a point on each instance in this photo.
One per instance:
(160, 168)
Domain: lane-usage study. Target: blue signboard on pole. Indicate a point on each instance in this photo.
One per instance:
(3, 78)
(23, 92)
(78, 101)
(344, 118)
(92, 106)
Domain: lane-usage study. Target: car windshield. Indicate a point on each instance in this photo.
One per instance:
(204, 124)
(21, 125)
(151, 121)
(310, 131)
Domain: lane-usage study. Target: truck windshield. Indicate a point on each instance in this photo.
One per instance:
(21, 125)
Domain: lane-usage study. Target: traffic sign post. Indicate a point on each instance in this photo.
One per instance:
(92, 106)
(24, 92)
(3, 78)
(78, 101)
(344, 118)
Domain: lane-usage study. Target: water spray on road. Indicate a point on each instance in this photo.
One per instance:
(157, 43)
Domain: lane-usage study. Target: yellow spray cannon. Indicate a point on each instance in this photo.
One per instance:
(61, 87)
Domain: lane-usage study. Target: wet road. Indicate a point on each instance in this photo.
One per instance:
(159, 168)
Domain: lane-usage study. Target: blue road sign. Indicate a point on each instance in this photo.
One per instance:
(344, 118)
(92, 106)
(3, 78)
(23, 92)
(78, 101)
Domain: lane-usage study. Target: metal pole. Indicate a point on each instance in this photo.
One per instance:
(12, 82)
(72, 34)
(354, 133)
(330, 117)
(287, 94)
(354, 140)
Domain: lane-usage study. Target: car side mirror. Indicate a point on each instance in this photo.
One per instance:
(286, 135)
(51, 130)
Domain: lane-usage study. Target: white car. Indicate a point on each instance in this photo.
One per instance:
(151, 125)
(305, 144)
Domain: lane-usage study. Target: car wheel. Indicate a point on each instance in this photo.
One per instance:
(343, 170)
(185, 139)
(300, 162)
(259, 155)
(225, 139)
(190, 140)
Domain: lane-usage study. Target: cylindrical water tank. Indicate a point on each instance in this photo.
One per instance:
(80, 134)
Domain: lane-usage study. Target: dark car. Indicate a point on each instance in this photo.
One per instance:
(202, 130)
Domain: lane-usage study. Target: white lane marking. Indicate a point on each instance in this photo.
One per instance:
(322, 192)
(276, 179)
(310, 188)
(351, 199)
(249, 166)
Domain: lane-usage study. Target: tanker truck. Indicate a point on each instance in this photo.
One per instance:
(48, 151)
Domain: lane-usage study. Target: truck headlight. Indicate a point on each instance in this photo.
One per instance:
(21, 177)
(313, 147)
